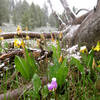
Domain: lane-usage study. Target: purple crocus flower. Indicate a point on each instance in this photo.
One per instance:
(52, 85)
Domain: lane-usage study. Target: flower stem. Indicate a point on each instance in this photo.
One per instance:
(55, 95)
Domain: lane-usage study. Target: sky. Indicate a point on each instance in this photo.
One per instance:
(88, 4)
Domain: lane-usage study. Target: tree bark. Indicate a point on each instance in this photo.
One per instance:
(38, 54)
(10, 35)
(70, 14)
(80, 19)
(88, 33)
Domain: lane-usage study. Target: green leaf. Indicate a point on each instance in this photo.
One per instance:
(33, 94)
(22, 67)
(53, 69)
(62, 73)
(27, 67)
(98, 69)
(77, 63)
(90, 60)
(31, 61)
(58, 50)
(84, 59)
(36, 82)
(6, 44)
(54, 52)
(44, 92)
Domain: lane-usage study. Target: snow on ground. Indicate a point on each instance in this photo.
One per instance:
(73, 52)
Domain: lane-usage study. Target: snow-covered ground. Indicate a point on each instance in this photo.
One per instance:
(12, 28)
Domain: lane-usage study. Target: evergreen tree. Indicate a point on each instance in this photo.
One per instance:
(45, 14)
(52, 20)
(17, 13)
(30, 15)
(25, 22)
(25, 15)
(4, 12)
(33, 16)
(21, 9)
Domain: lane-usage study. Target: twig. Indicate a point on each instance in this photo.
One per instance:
(56, 16)
(70, 14)
(81, 10)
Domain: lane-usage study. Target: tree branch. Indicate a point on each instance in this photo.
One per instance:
(81, 10)
(70, 15)
(38, 54)
(80, 19)
(10, 35)
(56, 16)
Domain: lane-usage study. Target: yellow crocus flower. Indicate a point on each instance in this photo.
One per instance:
(60, 59)
(97, 48)
(27, 37)
(22, 44)
(52, 38)
(26, 29)
(83, 49)
(0, 30)
(16, 43)
(98, 66)
(18, 29)
(1, 38)
(60, 35)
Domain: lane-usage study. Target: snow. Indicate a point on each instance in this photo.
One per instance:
(73, 52)
(72, 49)
(72, 30)
(82, 48)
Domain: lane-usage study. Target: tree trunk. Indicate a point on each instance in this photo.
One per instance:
(88, 33)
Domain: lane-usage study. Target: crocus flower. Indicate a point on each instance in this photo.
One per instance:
(27, 37)
(97, 48)
(50, 87)
(26, 28)
(1, 38)
(52, 38)
(60, 59)
(60, 35)
(53, 85)
(98, 66)
(0, 30)
(17, 43)
(22, 44)
(18, 29)
(83, 49)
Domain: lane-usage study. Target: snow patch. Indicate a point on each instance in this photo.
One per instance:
(72, 30)
(73, 52)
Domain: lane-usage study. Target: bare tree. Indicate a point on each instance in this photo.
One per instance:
(69, 13)
(61, 23)
(88, 32)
